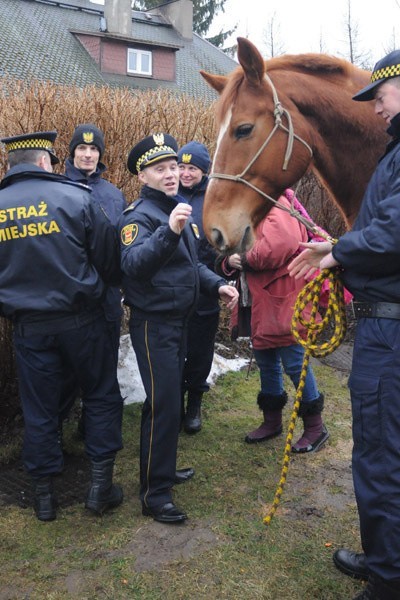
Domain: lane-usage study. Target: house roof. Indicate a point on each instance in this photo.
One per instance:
(37, 41)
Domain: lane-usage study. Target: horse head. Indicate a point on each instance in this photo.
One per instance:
(275, 120)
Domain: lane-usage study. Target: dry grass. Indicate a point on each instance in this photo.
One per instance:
(123, 114)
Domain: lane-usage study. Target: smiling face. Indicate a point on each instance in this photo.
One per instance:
(189, 175)
(86, 157)
(387, 99)
(162, 176)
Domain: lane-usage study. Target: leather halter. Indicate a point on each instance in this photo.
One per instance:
(279, 112)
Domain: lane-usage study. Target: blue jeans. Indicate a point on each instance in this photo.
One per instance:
(270, 362)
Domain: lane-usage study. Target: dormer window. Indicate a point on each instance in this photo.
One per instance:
(139, 62)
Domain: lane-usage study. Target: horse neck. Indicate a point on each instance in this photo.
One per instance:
(346, 151)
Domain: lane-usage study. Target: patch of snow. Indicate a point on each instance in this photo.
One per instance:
(129, 378)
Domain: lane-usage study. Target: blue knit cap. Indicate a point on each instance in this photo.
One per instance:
(195, 154)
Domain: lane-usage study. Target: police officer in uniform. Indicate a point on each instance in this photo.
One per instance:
(161, 282)
(58, 251)
(84, 165)
(194, 163)
(369, 257)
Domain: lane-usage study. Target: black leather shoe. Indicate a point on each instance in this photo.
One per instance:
(352, 564)
(183, 475)
(166, 513)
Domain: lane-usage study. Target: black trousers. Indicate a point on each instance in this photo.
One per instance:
(375, 396)
(201, 333)
(41, 362)
(160, 352)
(71, 390)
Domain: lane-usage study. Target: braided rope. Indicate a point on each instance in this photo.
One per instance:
(335, 313)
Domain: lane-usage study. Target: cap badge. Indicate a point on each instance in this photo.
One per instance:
(186, 158)
(158, 139)
(88, 137)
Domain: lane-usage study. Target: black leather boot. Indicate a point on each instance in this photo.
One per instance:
(351, 563)
(103, 494)
(44, 500)
(192, 421)
(380, 589)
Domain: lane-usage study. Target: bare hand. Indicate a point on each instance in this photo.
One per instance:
(179, 216)
(315, 256)
(230, 295)
(235, 261)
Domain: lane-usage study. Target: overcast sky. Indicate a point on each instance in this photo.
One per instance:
(315, 25)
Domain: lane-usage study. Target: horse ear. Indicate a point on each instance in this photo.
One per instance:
(218, 82)
(251, 61)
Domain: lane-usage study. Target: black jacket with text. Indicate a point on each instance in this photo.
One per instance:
(57, 248)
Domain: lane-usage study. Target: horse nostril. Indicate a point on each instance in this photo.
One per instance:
(217, 239)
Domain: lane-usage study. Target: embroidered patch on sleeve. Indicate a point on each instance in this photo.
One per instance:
(129, 234)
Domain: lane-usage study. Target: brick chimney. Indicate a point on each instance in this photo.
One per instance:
(180, 14)
(118, 15)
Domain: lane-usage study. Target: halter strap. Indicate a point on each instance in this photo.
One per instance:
(279, 112)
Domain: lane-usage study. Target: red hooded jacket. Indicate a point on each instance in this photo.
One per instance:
(273, 292)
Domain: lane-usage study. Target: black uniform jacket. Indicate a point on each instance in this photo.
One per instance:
(370, 252)
(56, 246)
(161, 274)
(206, 253)
(112, 202)
(106, 194)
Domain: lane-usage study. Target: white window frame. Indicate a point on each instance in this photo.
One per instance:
(139, 54)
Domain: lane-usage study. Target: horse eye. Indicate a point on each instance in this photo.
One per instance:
(243, 131)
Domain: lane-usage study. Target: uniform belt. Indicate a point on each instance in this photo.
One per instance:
(53, 326)
(383, 310)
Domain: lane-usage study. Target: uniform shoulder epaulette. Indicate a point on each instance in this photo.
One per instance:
(77, 184)
(64, 179)
(133, 205)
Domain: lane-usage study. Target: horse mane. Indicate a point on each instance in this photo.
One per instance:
(330, 68)
(322, 65)
(229, 94)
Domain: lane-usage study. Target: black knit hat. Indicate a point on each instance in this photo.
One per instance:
(39, 140)
(195, 154)
(150, 150)
(386, 68)
(87, 134)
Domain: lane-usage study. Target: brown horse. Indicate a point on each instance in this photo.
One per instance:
(277, 119)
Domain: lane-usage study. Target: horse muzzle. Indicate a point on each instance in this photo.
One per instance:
(226, 244)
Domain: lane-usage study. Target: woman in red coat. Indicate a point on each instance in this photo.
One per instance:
(273, 295)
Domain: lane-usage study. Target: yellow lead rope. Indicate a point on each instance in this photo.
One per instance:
(335, 315)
